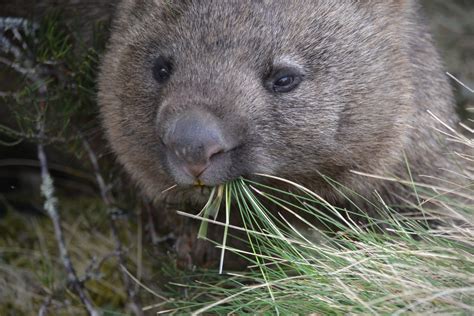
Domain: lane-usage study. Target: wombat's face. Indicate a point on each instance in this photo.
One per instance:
(202, 92)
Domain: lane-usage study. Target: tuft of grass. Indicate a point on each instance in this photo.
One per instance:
(394, 263)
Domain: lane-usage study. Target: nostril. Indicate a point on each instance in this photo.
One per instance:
(214, 150)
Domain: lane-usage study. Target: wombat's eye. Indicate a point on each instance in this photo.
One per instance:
(162, 69)
(285, 80)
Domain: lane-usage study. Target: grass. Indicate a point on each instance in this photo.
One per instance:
(295, 266)
(347, 268)
(390, 263)
(31, 269)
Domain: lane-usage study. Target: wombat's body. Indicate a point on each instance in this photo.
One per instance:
(369, 74)
(207, 91)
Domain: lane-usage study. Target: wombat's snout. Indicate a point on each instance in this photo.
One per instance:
(194, 142)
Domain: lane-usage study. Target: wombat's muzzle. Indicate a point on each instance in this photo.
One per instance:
(197, 141)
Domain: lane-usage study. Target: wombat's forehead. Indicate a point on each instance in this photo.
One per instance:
(252, 32)
(207, 22)
(239, 22)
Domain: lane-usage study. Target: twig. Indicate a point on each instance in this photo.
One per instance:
(17, 67)
(7, 47)
(155, 238)
(44, 308)
(91, 272)
(9, 23)
(29, 136)
(5, 94)
(29, 72)
(15, 25)
(28, 69)
(51, 206)
(134, 303)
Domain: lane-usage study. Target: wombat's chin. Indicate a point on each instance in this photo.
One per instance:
(200, 190)
(205, 183)
(190, 195)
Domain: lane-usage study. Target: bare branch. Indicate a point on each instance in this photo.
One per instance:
(10, 23)
(51, 207)
(7, 47)
(134, 303)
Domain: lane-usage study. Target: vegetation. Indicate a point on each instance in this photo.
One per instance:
(394, 264)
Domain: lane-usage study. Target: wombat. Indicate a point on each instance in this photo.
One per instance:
(197, 93)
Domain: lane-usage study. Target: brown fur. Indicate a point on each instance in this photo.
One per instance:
(371, 73)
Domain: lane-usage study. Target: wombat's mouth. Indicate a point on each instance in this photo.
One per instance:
(198, 183)
(221, 168)
(199, 189)
(202, 189)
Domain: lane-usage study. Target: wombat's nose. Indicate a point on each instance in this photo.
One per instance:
(193, 140)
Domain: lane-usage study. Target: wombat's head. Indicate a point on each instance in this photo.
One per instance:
(201, 92)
